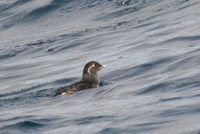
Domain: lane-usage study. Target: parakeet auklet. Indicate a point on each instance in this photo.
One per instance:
(89, 79)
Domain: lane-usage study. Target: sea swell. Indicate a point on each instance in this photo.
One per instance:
(151, 50)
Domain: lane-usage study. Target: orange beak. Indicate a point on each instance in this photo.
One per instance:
(102, 66)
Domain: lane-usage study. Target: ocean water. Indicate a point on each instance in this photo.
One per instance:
(151, 84)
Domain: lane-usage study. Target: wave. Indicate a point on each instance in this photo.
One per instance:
(150, 48)
(177, 85)
(27, 124)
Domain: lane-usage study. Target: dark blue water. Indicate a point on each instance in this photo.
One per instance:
(151, 49)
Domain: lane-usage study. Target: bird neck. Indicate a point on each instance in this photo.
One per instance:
(90, 78)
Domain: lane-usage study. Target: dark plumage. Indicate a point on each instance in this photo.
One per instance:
(89, 79)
